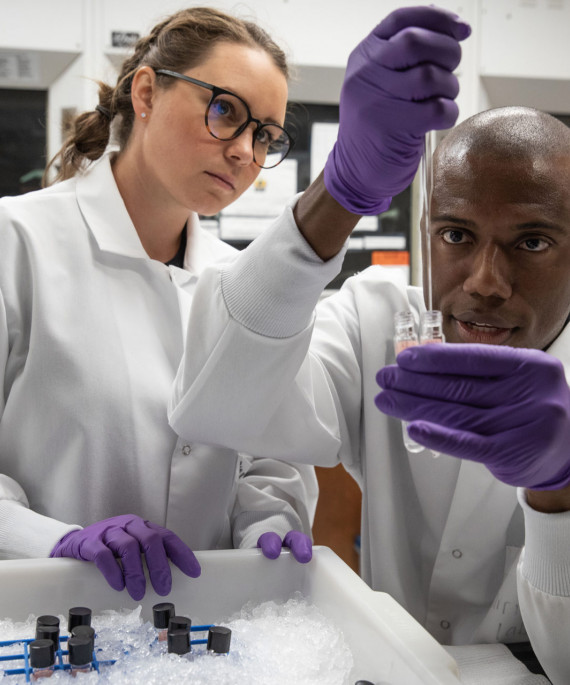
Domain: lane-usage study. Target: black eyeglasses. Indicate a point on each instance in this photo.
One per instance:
(227, 117)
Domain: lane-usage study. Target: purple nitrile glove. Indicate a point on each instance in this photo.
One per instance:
(126, 538)
(508, 408)
(300, 545)
(398, 85)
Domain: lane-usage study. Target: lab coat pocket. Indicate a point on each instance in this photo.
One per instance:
(201, 494)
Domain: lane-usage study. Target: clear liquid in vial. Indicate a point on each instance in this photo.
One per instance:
(405, 336)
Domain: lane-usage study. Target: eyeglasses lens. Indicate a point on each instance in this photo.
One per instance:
(271, 146)
(227, 114)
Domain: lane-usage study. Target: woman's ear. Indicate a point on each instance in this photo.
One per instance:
(142, 90)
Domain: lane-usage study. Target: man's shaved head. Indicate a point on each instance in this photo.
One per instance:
(511, 132)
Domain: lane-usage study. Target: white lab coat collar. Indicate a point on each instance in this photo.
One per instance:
(203, 249)
(105, 213)
(107, 218)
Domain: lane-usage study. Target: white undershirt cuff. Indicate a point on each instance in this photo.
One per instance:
(274, 285)
(25, 534)
(546, 561)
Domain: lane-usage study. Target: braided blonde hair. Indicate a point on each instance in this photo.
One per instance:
(182, 41)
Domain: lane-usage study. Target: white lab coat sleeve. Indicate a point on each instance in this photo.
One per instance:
(246, 380)
(272, 496)
(543, 579)
(23, 533)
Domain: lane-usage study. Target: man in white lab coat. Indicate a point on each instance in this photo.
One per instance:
(449, 538)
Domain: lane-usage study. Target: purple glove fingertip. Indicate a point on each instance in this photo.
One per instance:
(300, 545)
(270, 544)
(178, 552)
(430, 17)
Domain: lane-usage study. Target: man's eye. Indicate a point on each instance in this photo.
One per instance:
(535, 244)
(453, 236)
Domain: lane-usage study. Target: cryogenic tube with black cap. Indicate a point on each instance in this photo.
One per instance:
(78, 616)
(162, 613)
(47, 620)
(80, 654)
(179, 623)
(179, 641)
(42, 658)
(84, 631)
(48, 633)
(219, 638)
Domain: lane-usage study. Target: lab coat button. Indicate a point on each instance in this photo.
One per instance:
(444, 624)
(186, 450)
(457, 553)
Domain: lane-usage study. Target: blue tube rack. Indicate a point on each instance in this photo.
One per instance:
(26, 669)
(60, 665)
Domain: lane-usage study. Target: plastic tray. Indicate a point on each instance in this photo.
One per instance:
(388, 645)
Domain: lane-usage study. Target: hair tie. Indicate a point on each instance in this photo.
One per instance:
(104, 111)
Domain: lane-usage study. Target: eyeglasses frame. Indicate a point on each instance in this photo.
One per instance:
(215, 90)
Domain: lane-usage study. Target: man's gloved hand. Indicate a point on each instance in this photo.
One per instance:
(508, 408)
(300, 545)
(398, 85)
(126, 538)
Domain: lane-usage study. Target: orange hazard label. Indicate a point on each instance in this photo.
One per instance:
(391, 257)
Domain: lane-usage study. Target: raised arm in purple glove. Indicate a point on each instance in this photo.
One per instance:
(300, 545)
(508, 408)
(398, 85)
(125, 539)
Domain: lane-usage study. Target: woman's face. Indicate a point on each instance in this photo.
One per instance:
(186, 165)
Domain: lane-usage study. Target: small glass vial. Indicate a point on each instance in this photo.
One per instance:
(42, 658)
(178, 640)
(162, 613)
(78, 616)
(219, 638)
(404, 331)
(80, 655)
(431, 327)
(405, 336)
(431, 331)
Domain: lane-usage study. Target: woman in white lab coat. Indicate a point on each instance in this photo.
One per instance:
(97, 274)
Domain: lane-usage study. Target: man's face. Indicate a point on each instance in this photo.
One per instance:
(500, 245)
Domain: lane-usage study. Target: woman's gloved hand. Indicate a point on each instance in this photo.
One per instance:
(300, 545)
(399, 84)
(124, 539)
(508, 408)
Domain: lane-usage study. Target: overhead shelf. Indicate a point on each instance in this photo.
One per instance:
(33, 69)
